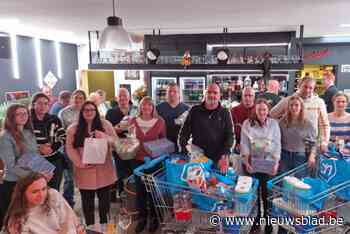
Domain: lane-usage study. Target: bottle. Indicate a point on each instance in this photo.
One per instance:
(177, 203)
(187, 205)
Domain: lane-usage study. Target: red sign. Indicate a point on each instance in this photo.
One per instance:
(317, 54)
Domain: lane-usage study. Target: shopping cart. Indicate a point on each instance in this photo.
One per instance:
(194, 218)
(308, 211)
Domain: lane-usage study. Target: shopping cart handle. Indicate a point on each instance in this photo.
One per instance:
(148, 163)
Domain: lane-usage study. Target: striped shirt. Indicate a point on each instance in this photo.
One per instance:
(340, 127)
(49, 130)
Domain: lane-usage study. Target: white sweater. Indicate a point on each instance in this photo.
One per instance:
(60, 215)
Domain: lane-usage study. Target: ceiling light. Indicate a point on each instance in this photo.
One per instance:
(114, 36)
(248, 45)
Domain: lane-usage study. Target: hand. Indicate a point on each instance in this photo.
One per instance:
(311, 163)
(223, 164)
(275, 169)
(100, 134)
(118, 129)
(45, 149)
(323, 148)
(247, 164)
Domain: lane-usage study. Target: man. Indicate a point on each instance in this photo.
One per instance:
(331, 89)
(63, 101)
(315, 110)
(48, 92)
(171, 109)
(242, 112)
(69, 115)
(271, 95)
(210, 126)
(115, 115)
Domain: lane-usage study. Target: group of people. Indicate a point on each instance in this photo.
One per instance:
(58, 134)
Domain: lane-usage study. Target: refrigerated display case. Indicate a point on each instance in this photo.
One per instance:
(192, 89)
(159, 86)
(232, 84)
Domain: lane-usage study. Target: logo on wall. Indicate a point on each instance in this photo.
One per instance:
(317, 54)
(50, 79)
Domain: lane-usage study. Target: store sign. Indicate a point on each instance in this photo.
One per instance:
(50, 79)
(345, 68)
(317, 54)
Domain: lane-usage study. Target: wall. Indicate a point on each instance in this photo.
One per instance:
(28, 69)
(330, 54)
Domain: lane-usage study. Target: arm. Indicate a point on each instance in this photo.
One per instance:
(185, 133)
(162, 133)
(237, 126)
(323, 124)
(228, 133)
(245, 145)
(276, 140)
(280, 109)
(72, 152)
(59, 135)
(8, 156)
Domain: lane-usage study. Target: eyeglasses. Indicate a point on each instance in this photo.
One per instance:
(89, 110)
(21, 114)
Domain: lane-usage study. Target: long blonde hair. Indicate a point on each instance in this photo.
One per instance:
(149, 100)
(287, 118)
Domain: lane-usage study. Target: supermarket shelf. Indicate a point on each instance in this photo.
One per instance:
(196, 67)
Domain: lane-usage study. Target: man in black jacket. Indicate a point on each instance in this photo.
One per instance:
(210, 126)
(329, 79)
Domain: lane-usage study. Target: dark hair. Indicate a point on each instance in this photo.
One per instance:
(63, 95)
(35, 98)
(253, 117)
(82, 129)
(11, 127)
(79, 91)
(18, 208)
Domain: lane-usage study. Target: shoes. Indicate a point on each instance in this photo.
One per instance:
(268, 229)
(141, 225)
(153, 226)
(255, 228)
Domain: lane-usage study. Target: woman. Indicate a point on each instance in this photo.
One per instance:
(91, 179)
(259, 127)
(298, 137)
(36, 209)
(340, 119)
(16, 139)
(50, 136)
(148, 127)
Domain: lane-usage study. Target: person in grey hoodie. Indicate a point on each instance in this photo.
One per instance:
(16, 138)
(315, 111)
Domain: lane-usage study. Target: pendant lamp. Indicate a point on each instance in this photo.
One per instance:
(114, 36)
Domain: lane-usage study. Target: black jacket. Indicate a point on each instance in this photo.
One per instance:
(327, 97)
(210, 129)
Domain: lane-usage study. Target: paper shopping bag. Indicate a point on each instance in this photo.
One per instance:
(95, 151)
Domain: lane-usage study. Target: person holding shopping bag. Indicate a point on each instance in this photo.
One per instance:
(92, 177)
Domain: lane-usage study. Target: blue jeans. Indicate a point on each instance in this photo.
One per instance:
(291, 160)
(68, 186)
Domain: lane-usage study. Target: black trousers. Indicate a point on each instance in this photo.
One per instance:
(262, 194)
(88, 204)
(6, 190)
(144, 198)
(56, 179)
(124, 169)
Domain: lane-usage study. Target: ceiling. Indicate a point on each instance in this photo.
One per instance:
(69, 20)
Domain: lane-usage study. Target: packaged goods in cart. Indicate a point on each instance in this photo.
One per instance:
(196, 178)
(244, 184)
(158, 147)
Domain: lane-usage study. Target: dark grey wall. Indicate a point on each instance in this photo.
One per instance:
(333, 54)
(28, 71)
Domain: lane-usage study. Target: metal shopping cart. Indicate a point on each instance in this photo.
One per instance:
(182, 209)
(309, 211)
